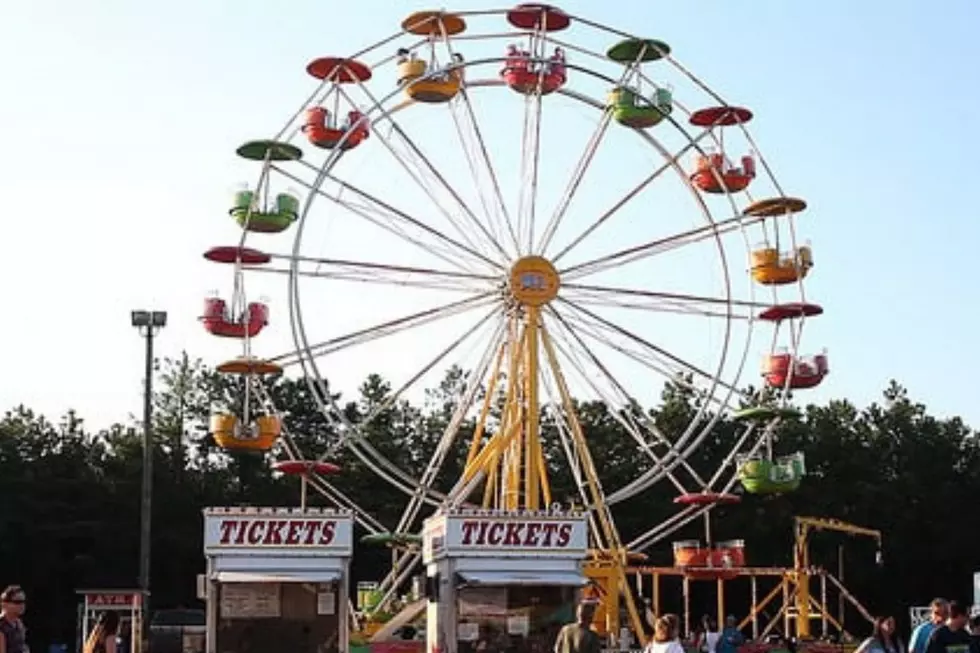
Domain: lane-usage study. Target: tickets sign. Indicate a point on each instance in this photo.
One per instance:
(296, 531)
(488, 535)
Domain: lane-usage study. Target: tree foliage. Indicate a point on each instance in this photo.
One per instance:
(70, 513)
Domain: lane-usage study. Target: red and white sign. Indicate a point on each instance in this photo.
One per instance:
(488, 534)
(229, 530)
(112, 600)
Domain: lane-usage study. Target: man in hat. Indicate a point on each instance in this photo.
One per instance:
(13, 635)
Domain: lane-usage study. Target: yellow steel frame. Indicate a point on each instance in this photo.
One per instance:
(803, 526)
(785, 593)
(511, 460)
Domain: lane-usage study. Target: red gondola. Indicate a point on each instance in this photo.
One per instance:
(305, 467)
(781, 312)
(526, 76)
(807, 371)
(320, 131)
(706, 498)
(219, 322)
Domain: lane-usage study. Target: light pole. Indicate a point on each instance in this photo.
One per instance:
(148, 323)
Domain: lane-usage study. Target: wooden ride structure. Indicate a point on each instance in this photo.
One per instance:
(789, 588)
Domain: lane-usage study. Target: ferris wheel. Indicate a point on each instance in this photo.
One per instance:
(561, 209)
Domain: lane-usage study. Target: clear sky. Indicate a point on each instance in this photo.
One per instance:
(120, 121)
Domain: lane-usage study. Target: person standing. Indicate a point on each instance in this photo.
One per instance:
(975, 632)
(577, 637)
(953, 636)
(883, 639)
(103, 636)
(13, 635)
(666, 636)
(709, 637)
(731, 637)
(939, 612)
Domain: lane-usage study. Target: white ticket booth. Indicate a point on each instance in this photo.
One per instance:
(277, 580)
(501, 581)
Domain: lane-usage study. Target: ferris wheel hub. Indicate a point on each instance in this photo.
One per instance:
(534, 281)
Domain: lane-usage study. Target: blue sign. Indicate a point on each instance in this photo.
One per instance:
(532, 281)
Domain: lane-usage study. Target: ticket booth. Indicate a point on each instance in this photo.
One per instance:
(277, 580)
(501, 580)
(128, 603)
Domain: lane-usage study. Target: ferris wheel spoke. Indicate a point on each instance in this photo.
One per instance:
(385, 274)
(394, 397)
(390, 218)
(497, 202)
(580, 446)
(473, 386)
(618, 403)
(636, 298)
(654, 355)
(551, 228)
(635, 253)
(386, 329)
(530, 159)
(423, 164)
(604, 217)
(638, 420)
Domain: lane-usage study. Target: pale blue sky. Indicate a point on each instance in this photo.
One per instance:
(121, 119)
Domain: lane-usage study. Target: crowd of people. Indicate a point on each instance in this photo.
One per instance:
(949, 629)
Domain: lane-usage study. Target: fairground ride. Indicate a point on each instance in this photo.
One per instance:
(562, 209)
(785, 595)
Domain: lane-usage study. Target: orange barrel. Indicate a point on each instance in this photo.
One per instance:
(776, 364)
(688, 553)
(317, 117)
(731, 553)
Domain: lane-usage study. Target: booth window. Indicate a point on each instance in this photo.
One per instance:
(515, 619)
(271, 617)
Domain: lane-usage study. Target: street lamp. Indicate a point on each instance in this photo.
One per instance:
(148, 323)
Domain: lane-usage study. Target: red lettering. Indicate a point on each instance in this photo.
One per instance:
(564, 535)
(312, 527)
(513, 536)
(273, 533)
(278, 532)
(468, 527)
(327, 532)
(294, 531)
(549, 534)
(227, 530)
(531, 534)
(256, 530)
(516, 534)
(495, 533)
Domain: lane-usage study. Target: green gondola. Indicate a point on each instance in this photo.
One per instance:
(269, 220)
(631, 109)
(762, 476)
(765, 413)
(392, 539)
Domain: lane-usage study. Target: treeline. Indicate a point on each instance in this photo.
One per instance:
(69, 511)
